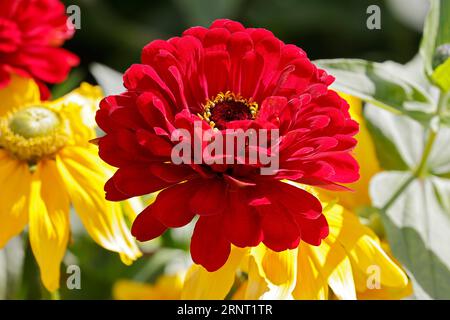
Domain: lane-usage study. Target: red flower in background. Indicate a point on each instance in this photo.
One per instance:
(227, 76)
(30, 33)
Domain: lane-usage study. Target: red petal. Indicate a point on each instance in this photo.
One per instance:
(280, 229)
(48, 64)
(293, 199)
(171, 206)
(209, 247)
(209, 198)
(313, 231)
(138, 180)
(112, 193)
(346, 168)
(146, 227)
(230, 25)
(217, 65)
(242, 222)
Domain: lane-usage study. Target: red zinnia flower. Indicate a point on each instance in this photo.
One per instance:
(30, 33)
(227, 76)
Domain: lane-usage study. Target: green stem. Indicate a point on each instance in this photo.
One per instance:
(422, 167)
(398, 193)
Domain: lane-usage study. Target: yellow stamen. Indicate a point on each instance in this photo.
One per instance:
(228, 96)
(33, 132)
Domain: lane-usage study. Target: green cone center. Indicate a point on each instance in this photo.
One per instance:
(34, 121)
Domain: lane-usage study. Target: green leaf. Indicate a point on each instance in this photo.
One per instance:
(418, 228)
(436, 31)
(73, 80)
(441, 76)
(380, 84)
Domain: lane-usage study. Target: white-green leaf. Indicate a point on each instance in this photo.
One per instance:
(436, 31)
(439, 161)
(109, 79)
(380, 84)
(418, 228)
(399, 140)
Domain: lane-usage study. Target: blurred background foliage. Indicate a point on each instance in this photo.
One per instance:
(113, 32)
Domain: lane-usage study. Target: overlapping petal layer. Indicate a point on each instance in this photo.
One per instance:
(30, 35)
(237, 204)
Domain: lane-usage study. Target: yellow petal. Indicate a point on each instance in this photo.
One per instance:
(341, 281)
(132, 207)
(363, 248)
(257, 285)
(167, 287)
(365, 154)
(345, 226)
(386, 293)
(85, 174)
(279, 269)
(87, 97)
(49, 222)
(311, 284)
(368, 254)
(19, 92)
(330, 261)
(204, 285)
(241, 291)
(15, 180)
(79, 107)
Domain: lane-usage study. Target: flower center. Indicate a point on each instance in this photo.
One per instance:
(226, 107)
(32, 132)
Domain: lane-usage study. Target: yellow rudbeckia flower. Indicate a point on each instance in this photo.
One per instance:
(47, 165)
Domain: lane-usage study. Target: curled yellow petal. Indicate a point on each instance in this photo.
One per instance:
(256, 285)
(369, 258)
(85, 96)
(312, 283)
(85, 174)
(279, 269)
(79, 107)
(15, 179)
(364, 250)
(341, 281)
(49, 222)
